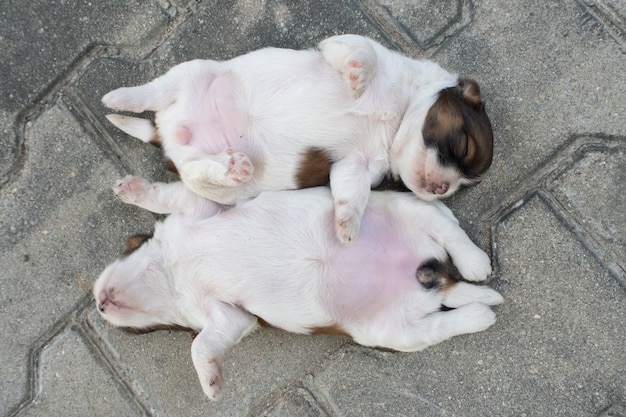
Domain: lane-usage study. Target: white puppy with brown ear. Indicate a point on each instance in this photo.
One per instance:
(348, 114)
(216, 270)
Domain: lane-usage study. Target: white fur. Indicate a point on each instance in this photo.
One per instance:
(363, 103)
(215, 269)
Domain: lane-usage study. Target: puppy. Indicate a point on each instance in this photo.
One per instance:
(216, 270)
(348, 114)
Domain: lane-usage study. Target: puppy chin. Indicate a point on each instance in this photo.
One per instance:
(428, 195)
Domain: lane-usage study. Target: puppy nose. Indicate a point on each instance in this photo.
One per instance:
(441, 188)
(103, 301)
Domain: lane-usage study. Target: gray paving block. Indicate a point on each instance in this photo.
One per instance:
(296, 401)
(224, 29)
(59, 226)
(547, 71)
(41, 41)
(612, 14)
(593, 190)
(422, 24)
(75, 382)
(159, 368)
(561, 334)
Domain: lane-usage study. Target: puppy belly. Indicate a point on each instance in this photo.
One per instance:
(377, 269)
(208, 117)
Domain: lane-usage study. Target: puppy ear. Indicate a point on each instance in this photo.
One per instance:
(470, 91)
(134, 242)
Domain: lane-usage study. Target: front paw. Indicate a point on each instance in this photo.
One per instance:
(354, 57)
(347, 223)
(211, 380)
(474, 265)
(131, 189)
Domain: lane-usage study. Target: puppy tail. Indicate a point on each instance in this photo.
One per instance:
(142, 129)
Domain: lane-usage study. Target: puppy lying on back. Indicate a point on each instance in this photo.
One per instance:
(348, 113)
(216, 270)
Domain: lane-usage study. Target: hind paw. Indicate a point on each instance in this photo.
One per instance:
(131, 189)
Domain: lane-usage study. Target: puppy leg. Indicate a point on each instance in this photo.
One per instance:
(224, 328)
(163, 198)
(471, 261)
(408, 333)
(354, 57)
(463, 293)
(155, 96)
(161, 92)
(227, 169)
(350, 186)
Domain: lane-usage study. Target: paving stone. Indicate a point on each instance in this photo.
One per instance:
(424, 23)
(75, 382)
(612, 14)
(562, 324)
(31, 34)
(547, 72)
(59, 226)
(224, 29)
(41, 40)
(160, 370)
(295, 402)
(594, 191)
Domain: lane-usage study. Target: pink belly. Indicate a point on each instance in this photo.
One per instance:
(214, 117)
(376, 270)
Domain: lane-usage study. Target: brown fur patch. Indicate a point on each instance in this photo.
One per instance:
(457, 125)
(156, 140)
(171, 167)
(263, 323)
(435, 275)
(134, 242)
(332, 329)
(174, 327)
(313, 168)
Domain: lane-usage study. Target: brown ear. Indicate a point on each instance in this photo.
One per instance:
(471, 91)
(133, 242)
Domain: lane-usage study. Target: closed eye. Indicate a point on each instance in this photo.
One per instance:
(462, 147)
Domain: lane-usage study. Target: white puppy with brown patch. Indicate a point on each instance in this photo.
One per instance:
(216, 269)
(348, 113)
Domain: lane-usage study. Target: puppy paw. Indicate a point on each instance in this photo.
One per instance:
(354, 57)
(211, 380)
(476, 317)
(239, 169)
(131, 189)
(474, 265)
(358, 72)
(227, 169)
(124, 99)
(347, 223)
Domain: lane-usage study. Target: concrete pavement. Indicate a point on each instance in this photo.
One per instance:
(552, 211)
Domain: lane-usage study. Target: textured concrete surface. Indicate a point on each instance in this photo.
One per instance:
(552, 211)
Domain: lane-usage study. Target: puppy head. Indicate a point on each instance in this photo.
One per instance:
(456, 145)
(135, 290)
